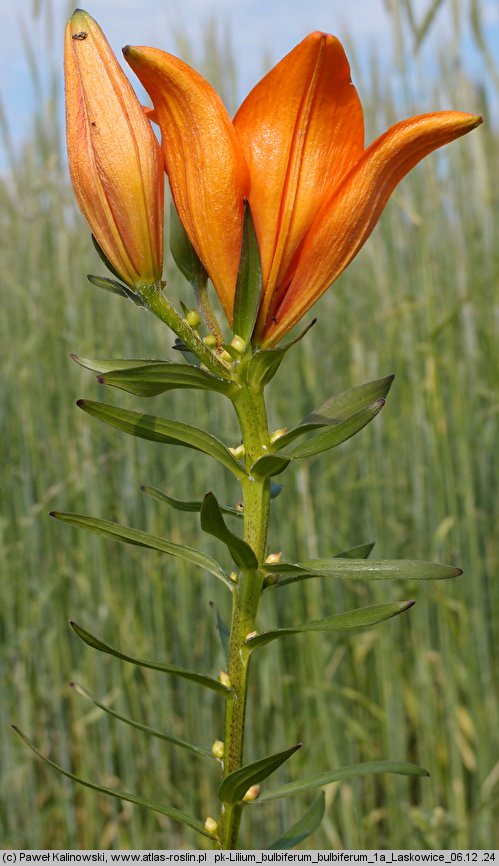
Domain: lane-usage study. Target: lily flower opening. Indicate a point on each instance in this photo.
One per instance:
(295, 150)
(115, 162)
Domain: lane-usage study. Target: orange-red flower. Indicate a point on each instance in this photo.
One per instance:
(296, 150)
(115, 162)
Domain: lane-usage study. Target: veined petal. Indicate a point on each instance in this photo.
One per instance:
(301, 128)
(346, 220)
(205, 163)
(115, 162)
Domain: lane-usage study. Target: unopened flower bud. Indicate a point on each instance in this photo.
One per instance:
(115, 161)
(223, 678)
(210, 340)
(193, 319)
(252, 793)
(211, 826)
(238, 452)
(226, 357)
(273, 558)
(238, 344)
(251, 634)
(277, 434)
(218, 749)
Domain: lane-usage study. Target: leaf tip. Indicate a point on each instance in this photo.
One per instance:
(80, 403)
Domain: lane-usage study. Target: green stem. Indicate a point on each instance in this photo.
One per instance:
(161, 307)
(250, 408)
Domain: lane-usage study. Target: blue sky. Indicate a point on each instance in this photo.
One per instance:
(258, 27)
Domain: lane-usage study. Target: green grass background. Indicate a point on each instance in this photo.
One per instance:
(419, 301)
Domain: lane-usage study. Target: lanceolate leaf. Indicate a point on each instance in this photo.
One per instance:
(361, 617)
(222, 629)
(151, 379)
(114, 287)
(361, 569)
(163, 430)
(183, 252)
(303, 828)
(362, 551)
(272, 464)
(183, 673)
(174, 814)
(265, 362)
(401, 768)
(176, 741)
(235, 785)
(181, 505)
(249, 281)
(213, 523)
(143, 539)
(102, 365)
(338, 409)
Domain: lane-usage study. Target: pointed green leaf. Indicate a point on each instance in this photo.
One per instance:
(272, 464)
(194, 506)
(143, 539)
(303, 828)
(176, 671)
(338, 409)
(249, 281)
(234, 786)
(169, 811)
(362, 569)
(184, 254)
(189, 356)
(114, 287)
(362, 551)
(265, 363)
(104, 259)
(371, 768)
(176, 741)
(150, 380)
(275, 489)
(213, 523)
(361, 617)
(222, 629)
(104, 364)
(162, 430)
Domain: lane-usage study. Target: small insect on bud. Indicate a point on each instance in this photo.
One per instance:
(193, 319)
(252, 793)
(251, 634)
(223, 678)
(210, 340)
(273, 558)
(277, 434)
(238, 344)
(237, 452)
(218, 749)
(211, 826)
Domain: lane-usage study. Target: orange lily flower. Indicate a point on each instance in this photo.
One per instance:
(115, 161)
(296, 151)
